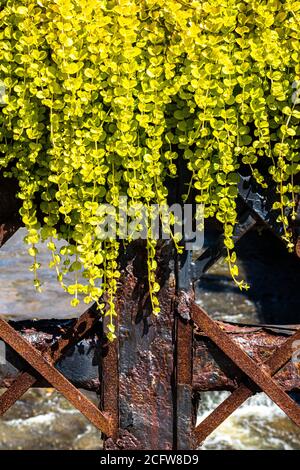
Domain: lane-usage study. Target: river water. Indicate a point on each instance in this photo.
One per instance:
(43, 419)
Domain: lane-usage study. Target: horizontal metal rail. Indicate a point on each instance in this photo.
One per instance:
(212, 369)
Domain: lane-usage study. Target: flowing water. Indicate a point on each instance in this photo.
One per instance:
(43, 419)
(258, 424)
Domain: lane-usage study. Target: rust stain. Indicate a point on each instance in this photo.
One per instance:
(126, 440)
(110, 385)
(146, 352)
(260, 374)
(40, 361)
(215, 371)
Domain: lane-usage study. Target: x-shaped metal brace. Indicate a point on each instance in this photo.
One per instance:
(43, 363)
(260, 375)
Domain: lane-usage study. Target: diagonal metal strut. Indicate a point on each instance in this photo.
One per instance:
(260, 374)
(40, 363)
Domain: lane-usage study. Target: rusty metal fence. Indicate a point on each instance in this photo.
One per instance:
(148, 376)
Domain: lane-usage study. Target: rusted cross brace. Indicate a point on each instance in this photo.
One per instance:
(41, 364)
(44, 362)
(260, 374)
(54, 352)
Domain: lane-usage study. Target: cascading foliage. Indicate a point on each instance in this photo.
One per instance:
(102, 96)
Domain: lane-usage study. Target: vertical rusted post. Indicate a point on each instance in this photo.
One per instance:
(109, 401)
(185, 406)
(146, 355)
(186, 416)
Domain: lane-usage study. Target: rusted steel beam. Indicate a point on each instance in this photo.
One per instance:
(186, 409)
(273, 363)
(40, 363)
(54, 351)
(109, 397)
(212, 369)
(146, 354)
(258, 373)
(80, 366)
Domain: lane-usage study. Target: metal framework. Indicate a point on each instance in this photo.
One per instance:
(158, 365)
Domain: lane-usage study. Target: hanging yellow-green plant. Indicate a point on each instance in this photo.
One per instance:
(101, 96)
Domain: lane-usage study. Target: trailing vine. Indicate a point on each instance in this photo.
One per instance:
(102, 96)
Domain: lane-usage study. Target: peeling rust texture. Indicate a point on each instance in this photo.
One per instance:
(186, 411)
(79, 364)
(212, 369)
(125, 441)
(186, 417)
(146, 351)
(53, 353)
(260, 374)
(39, 362)
(273, 364)
(184, 302)
(110, 383)
(184, 352)
(215, 371)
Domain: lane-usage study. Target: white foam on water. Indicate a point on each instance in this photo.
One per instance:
(38, 420)
(42, 419)
(250, 427)
(87, 431)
